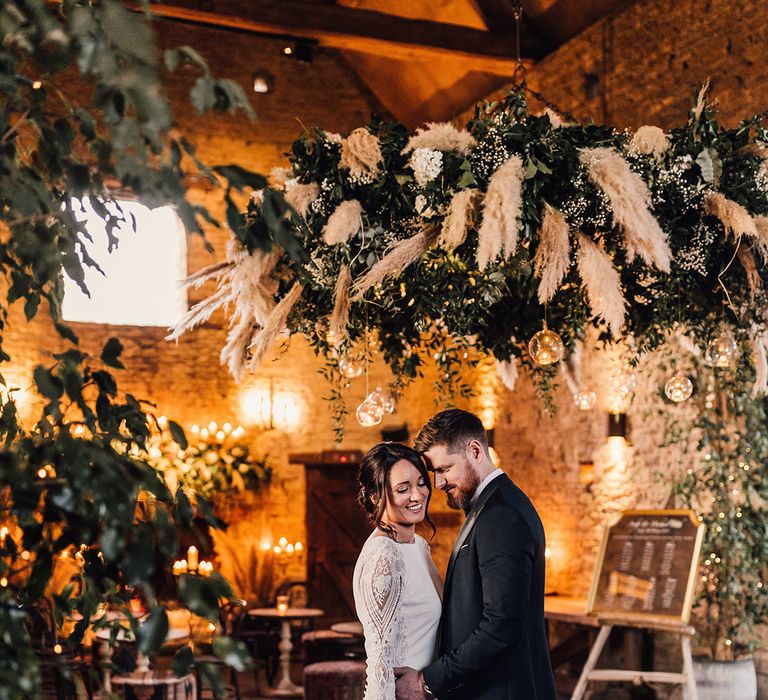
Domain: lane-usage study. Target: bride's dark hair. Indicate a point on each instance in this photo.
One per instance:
(374, 481)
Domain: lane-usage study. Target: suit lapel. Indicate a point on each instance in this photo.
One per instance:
(469, 523)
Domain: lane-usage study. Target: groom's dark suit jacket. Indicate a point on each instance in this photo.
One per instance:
(493, 642)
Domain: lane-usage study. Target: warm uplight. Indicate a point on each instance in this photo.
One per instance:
(617, 450)
(155, 253)
(268, 409)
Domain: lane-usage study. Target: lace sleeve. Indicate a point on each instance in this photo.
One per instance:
(381, 589)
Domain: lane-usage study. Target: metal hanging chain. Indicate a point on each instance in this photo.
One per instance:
(519, 77)
(521, 72)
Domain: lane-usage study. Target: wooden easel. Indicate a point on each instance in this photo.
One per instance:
(686, 678)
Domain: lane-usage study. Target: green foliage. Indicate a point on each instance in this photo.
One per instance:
(213, 462)
(83, 113)
(724, 482)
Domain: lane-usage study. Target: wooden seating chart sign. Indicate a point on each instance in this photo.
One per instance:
(647, 566)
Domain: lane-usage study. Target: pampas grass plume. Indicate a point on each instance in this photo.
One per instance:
(401, 255)
(337, 328)
(735, 218)
(501, 212)
(602, 283)
(460, 217)
(553, 254)
(760, 353)
(507, 371)
(300, 196)
(761, 240)
(274, 326)
(630, 202)
(747, 261)
(649, 140)
(441, 137)
(344, 222)
(360, 154)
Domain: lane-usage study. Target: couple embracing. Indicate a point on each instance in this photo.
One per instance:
(483, 637)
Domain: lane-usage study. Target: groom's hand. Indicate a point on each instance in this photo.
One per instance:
(408, 684)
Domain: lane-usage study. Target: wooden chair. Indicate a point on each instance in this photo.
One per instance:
(231, 616)
(60, 667)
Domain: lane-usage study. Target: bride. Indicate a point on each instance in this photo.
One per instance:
(396, 585)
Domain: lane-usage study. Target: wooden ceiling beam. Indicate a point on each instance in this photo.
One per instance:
(366, 31)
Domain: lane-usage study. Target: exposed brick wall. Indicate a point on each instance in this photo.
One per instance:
(648, 62)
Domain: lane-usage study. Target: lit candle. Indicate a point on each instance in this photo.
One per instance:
(282, 541)
(282, 603)
(180, 567)
(192, 559)
(298, 546)
(289, 548)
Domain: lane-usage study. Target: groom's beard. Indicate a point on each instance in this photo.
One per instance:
(460, 496)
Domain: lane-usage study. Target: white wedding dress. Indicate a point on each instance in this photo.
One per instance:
(398, 595)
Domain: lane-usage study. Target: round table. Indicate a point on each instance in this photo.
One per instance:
(285, 688)
(352, 627)
(144, 684)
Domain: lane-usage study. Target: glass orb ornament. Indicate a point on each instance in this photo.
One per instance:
(350, 367)
(678, 388)
(546, 347)
(722, 350)
(369, 413)
(383, 398)
(585, 399)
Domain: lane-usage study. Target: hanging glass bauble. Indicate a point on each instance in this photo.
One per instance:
(350, 367)
(369, 413)
(585, 399)
(722, 350)
(678, 388)
(546, 347)
(383, 398)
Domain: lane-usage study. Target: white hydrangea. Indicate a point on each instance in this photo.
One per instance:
(426, 164)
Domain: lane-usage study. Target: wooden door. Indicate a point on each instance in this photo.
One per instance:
(336, 530)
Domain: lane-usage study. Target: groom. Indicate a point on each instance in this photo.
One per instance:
(492, 641)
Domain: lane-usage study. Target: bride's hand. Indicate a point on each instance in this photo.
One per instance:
(408, 685)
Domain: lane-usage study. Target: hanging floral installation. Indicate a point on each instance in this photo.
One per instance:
(450, 244)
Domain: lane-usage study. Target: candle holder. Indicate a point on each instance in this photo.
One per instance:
(282, 603)
(192, 565)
